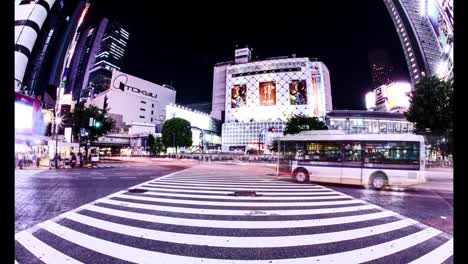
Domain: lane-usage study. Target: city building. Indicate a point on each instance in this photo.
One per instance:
(205, 129)
(392, 97)
(425, 29)
(259, 96)
(29, 19)
(368, 122)
(106, 55)
(381, 68)
(54, 41)
(134, 100)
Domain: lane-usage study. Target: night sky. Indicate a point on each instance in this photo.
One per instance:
(182, 42)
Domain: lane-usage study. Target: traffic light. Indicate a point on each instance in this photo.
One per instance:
(98, 124)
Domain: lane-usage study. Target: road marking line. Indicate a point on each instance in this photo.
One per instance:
(41, 250)
(137, 255)
(128, 177)
(246, 204)
(257, 198)
(245, 224)
(266, 211)
(239, 242)
(289, 186)
(229, 183)
(230, 192)
(438, 255)
(247, 187)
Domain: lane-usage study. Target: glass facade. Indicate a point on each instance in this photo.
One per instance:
(243, 134)
(361, 125)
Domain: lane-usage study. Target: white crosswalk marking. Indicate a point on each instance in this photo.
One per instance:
(189, 217)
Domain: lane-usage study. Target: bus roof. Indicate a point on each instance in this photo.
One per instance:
(338, 135)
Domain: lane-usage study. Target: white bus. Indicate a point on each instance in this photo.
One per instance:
(374, 160)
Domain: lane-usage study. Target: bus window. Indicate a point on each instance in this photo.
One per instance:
(352, 152)
(323, 151)
(392, 152)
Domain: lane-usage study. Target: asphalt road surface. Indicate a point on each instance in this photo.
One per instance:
(192, 216)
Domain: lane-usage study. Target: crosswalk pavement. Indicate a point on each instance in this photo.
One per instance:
(193, 217)
(109, 165)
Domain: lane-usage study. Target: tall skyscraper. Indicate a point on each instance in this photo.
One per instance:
(29, 19)
(53, 48)
(106, 54)
(381, 68)
(425, 29)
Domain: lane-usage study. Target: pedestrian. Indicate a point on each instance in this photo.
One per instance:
(73, 160)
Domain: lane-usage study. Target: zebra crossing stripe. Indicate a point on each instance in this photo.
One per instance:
(266, 211)
(240, 242)
(288, 186)
(259, 198)
(247, 187)
(438, 255)
(137, 255)
(230, 192)
(41, 250)
(260, 181)
(243, 204)
(249, 224)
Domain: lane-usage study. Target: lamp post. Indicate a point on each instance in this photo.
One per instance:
(57, 120)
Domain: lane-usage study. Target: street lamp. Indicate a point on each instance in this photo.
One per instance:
(57, 120)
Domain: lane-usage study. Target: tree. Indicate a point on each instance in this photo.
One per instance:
(176, 132)
(155, 145)
(151, 144)
(298, 123)
(431, 110)
(80, 120)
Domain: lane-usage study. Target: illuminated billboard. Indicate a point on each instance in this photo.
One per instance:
(398, 96)
(297, 92)
(267, 92)
(23, 116)
(316, 85)
(238, 96)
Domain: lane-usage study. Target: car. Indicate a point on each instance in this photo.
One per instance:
(94, 157)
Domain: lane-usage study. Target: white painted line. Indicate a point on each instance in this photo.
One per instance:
(244, 224)
(41, 250)
(137, 255)
(231, 192)
(243, 204)
(257, 198)
(438, 255)
(237, 188)
(289, 186)
(266, 211)
(239, 242)
(128, 177)
(259, 183)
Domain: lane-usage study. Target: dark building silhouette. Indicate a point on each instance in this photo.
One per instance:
(381, 67)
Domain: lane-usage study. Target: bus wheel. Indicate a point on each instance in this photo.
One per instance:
(378, 181)
(301, 175)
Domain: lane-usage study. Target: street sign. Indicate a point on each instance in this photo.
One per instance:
(82, 132)
(91, 121)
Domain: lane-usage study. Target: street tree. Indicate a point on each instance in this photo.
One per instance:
(155, 145)
(298, 123)
(176, 132)
(80, 120)
(151, 144)
(431, 110)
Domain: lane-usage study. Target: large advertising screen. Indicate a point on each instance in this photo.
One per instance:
(238, 96)
(316, 82)
(297, 92)
(267, 93)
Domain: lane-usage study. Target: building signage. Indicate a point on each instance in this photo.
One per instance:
(267, 93)
(120, 82)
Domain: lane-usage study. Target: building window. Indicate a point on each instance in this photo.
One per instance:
(151, 119)
(152, 105)
(142, 109)
(152, 112)
(142, 117)
(143, 102)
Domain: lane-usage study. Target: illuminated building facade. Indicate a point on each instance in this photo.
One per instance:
(425, 29)
(261, 95)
